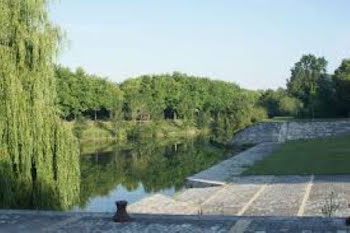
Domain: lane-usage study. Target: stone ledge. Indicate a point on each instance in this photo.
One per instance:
(38, 221)
(165, 217)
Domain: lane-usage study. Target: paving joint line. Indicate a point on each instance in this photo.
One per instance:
(214, 195)
(252, 200)
(306, 196)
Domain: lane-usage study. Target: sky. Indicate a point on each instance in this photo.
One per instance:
(253, 43)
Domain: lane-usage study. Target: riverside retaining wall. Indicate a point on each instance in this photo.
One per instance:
(286, 131)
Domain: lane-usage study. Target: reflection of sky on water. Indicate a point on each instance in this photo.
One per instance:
(106, 203)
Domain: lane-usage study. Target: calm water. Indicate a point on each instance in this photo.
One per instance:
(134, 171)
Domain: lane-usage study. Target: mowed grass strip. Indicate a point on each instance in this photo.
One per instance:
(304, 157)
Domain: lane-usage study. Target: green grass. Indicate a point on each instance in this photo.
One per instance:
(304, 157)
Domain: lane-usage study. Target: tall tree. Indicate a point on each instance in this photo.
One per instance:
(342, 83)
(303, 83)
(39, 165)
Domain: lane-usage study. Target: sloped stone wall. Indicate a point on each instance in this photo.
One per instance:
(285, 131)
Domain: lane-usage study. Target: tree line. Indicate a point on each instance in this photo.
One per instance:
(223, 107)
(82, 94)
(311, 91)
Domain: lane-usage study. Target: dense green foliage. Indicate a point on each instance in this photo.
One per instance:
(221, 106)
(311, 92)
(306, 157)
(200, 102)
(279, 103)
(39, 165)
(342, 84)
(81, 94)
(311, 84)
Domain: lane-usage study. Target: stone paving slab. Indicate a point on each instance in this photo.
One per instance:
(321, 189)
(58, 222)
(231, 199)
(282, 197)
(197, 195)
(160, 204)
(256, 196)
(227, 169)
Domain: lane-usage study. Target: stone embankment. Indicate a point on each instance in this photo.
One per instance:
(285, 131)
(226, 170)
(53, 222)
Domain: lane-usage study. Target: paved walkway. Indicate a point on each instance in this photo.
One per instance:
(232, 194)
(52, 222)
(256, 196)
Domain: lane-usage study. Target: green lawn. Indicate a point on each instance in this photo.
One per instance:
(316, 156)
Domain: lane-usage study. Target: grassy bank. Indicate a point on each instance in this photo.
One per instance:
(106, 131)
(304, 157)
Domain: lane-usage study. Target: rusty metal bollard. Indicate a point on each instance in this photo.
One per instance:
(121, 215)
(347, 221)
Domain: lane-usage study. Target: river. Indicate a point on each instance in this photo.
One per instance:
(136, 170)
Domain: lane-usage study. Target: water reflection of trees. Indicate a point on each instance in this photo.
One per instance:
(157, 167)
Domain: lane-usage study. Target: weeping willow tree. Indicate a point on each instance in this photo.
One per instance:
(39, 165)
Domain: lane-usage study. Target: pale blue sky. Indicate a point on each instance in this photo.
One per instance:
(251, 42)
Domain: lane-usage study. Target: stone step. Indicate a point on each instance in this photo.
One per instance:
(161, 204)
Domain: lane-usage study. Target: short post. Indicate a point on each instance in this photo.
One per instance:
(347, 221)
(121, 215)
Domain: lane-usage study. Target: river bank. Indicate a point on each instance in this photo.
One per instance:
(127, 131)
